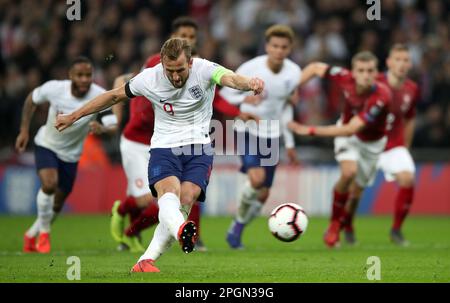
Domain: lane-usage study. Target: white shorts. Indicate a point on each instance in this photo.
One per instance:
(366, 154)
(394, 161)
(135, 158)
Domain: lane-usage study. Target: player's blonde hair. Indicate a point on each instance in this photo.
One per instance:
(280, 30)
(173, 48)
(364, 56)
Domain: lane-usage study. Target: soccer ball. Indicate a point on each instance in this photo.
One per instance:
(287, 222)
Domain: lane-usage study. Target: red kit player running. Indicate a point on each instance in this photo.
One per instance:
(135, 145)
(360, 133)
(396, 161)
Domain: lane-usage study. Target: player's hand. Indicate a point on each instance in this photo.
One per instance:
(298, 128)
(256, 85)
(63, 121)
(22, 141)
(96, 128)
(248, 116)
(292, 156)
(253, 100)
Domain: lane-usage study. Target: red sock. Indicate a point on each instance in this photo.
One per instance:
(339, 200)
(195, 216)
(402, 205)
(148, 217)
(347, 221)
(135, 213)
(127, 206)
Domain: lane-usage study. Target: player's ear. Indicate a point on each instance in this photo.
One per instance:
(190, 62)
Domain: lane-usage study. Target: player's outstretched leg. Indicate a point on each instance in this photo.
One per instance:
(171, 216)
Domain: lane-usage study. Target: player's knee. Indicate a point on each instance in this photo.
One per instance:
(49, 186)
(257, 180)
(188, 198)
(405, 180)
(348, 175)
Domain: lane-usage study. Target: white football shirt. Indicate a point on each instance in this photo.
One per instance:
(182, 115)
(67, 144)
(277, 90)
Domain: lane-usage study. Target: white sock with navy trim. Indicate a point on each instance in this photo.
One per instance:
(161, 241)
(33, 231)
(249, 206)
(170, 214)
(45, 210)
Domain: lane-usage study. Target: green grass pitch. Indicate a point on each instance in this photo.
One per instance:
(265, 259)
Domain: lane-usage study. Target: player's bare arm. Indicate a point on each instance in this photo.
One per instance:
(97, 104)
(240, 82)
(355, 125)
(409, 131)
(27, 113)
(314, 69)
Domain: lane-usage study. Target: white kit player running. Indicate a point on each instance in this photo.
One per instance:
(282, 77)
(56, 153)
(181, 90)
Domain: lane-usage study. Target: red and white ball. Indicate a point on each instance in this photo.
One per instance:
(287, 222)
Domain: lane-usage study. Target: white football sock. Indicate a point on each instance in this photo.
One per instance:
(33, 231)
(45, 210)
(170, 214)
(161, 241)
(249, 206)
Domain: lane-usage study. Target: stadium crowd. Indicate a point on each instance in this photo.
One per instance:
(37, 42)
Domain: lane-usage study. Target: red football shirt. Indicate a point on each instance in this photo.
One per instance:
(372, 106)
(402, 107)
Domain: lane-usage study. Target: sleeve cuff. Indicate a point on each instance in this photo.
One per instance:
(128, 90)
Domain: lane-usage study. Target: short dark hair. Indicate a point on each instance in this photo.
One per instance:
(183, 21)
(173, 48)
(80, 59)
(364, 56)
